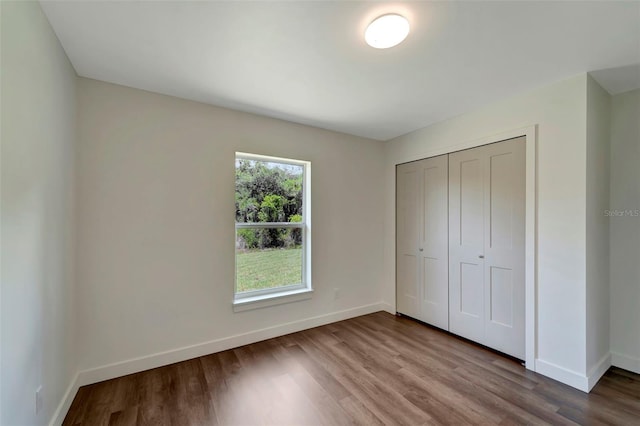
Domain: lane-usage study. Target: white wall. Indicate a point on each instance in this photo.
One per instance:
(37, 172)
(597, 315)
(625, 230)
(156, 221)
(559, 110)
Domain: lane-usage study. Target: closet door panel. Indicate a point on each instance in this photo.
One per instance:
(433, 245)
(501, 289)
(471, 291)
(407, 225)
(466, 244)
(470, 198)
(504, 252)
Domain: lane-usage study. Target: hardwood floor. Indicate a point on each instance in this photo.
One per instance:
(371, 370)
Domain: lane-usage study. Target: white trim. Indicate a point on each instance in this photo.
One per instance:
(531, 224)
(527, 130)
(269, 225)
(259, 157)
(531, 244)
(271, 299)
(626, 362)
(160, 359)
(388, 307)
(65, 404)
(242, 302)
(265, 293)
(598, 370)
(561, 374)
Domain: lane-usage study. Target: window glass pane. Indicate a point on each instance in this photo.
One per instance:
(268, 258)
(268, 191)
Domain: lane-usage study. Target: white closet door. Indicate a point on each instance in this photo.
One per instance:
(422, 240)
(433, 250)
(504, 230)
(407, 223)
(486, 245)
(466, 243)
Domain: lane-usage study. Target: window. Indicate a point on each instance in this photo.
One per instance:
(272, 231)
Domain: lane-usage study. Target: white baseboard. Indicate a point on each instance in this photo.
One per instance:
(598, 370)
(387, 307)
(160, 359)
(563, 375)
(135, 365)
(626, 362)
(65, 404)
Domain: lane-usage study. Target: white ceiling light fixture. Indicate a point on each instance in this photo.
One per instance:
(387, 31)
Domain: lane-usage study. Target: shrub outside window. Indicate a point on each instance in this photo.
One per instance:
(272, 226)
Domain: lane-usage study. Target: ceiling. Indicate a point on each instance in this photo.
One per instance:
(306, 61)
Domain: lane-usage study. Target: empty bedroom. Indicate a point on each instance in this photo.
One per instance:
(319, 212)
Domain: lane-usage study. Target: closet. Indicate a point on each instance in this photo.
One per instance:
(460, 227)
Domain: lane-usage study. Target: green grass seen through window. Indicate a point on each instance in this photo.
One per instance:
(262, 269)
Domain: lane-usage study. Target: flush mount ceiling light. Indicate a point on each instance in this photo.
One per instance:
(387, 31)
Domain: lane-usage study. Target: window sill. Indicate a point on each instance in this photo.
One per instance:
(257, 302)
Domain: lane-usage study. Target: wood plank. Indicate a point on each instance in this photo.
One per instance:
(371, 370)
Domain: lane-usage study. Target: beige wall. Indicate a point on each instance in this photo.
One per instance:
(625, 230)
(37, 174)
(559, 111)
(597, 184)
(156, 221)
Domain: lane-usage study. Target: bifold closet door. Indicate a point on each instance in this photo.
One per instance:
(486, 245)
(407, 195)
(422, 242)
(466, 243)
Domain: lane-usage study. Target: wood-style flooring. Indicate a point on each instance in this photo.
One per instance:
(371, 370)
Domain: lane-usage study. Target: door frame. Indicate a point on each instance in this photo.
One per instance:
(531, 223)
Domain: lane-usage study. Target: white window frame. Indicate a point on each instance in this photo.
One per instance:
(254, 299)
